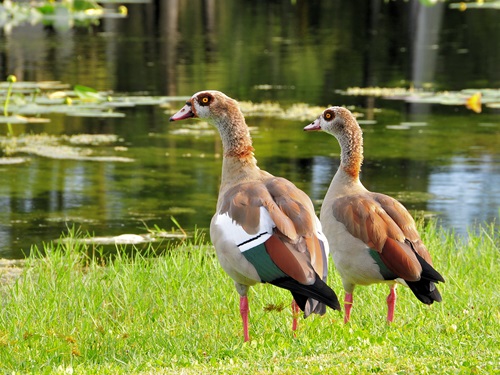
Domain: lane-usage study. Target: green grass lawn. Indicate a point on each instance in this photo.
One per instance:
(178, 313)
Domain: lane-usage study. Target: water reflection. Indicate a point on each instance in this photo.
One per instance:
(466, 189)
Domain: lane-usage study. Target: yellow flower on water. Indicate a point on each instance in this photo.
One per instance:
(474, 102)
(122, 9)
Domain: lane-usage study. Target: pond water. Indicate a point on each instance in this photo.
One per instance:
(440, 160)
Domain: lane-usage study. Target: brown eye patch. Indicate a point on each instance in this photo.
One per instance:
(328, 115)
(205, 99)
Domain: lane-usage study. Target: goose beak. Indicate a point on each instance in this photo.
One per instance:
(184, 112)
(313, 126)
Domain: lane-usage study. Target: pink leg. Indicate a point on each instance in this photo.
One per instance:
(244, 316)
(347, 307)
(391, 304)
(295, 314)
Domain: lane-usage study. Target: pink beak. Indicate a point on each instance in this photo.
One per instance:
(184, 112)
(313, 126)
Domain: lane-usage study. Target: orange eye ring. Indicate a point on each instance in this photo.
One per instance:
(328, 115)
(204, 100)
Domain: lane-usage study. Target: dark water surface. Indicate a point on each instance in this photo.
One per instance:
(444, 160)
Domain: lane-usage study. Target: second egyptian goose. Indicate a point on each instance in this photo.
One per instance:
(372, 237)
(265, 228)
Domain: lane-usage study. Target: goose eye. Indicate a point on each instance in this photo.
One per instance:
(328, 115)
(205, 99)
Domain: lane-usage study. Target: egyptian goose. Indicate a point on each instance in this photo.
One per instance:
(373, 238)
(265, 228)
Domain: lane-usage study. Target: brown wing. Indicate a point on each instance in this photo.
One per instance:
(405, 222)
(384, 225)
(243, 202)
(292, 262)
(291, 210)
(319, 261)
(294, 203)
(298, 207)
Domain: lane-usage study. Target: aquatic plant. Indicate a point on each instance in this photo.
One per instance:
(478, 4)
(11, 79)
(62, 14)
(35, 99)
(473, 99)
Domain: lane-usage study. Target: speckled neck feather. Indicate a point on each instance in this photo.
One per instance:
(236, 139)
(237, 142)
(351, 144)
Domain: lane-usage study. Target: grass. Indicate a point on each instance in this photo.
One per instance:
(178, 313)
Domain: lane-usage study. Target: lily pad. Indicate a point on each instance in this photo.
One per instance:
(13, 120)
(302, 112)
(414, 123)
(398, 127)
(298, 111)
(118, 104)
(261, 109)
(38, 98)
(148, 100)
(70, 153)
(42, 85)
(29, 109)
(473, 99)
(52, 147)
(95, 113)
(47, 101)
(200, 129)
(463, 6)
(10, 161)
(267, 87)
(93, 139)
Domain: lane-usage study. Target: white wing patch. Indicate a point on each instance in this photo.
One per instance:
(236, 234)
(321, 236)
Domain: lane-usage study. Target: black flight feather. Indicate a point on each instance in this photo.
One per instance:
(425, 288)
(310, 298)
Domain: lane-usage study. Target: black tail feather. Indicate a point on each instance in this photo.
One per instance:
(310, 298)
(425, 288)
(425, 291)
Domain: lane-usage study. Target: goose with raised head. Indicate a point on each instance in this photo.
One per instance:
(265, 228)
(372, 237)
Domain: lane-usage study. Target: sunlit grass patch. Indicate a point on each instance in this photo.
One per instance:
(137, 313)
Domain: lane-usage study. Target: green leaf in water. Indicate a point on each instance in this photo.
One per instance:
(46, 9)
(81, 5)
(88, 93)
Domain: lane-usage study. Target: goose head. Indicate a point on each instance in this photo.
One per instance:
(337, 121)
(209, 104)
(342, 124)
(224, 112)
